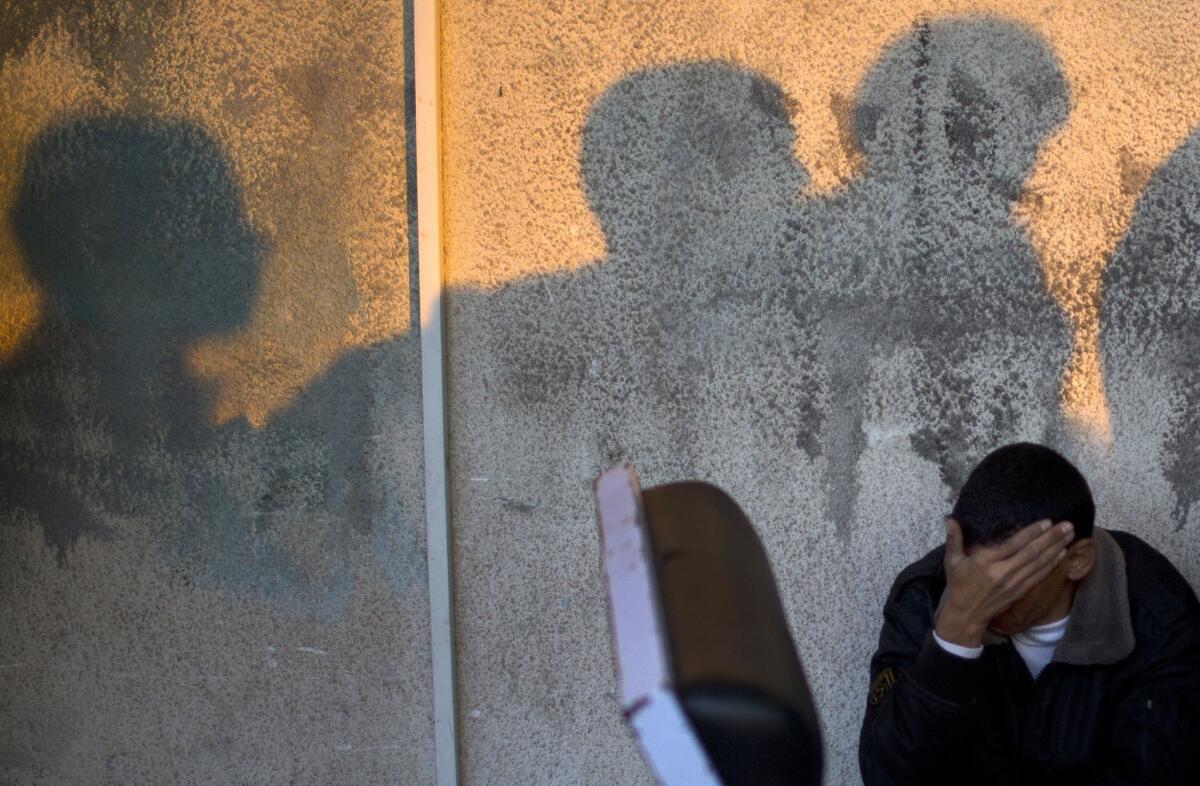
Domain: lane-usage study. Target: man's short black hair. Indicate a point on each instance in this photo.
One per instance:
(1017, 485)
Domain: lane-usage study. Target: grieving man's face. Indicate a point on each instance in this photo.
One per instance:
(1035, 607)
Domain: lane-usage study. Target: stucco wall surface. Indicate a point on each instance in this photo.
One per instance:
(824, 255)
(212, 563)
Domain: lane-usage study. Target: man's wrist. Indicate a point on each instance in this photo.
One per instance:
(957, 650)
(950, 677)
(959, 632)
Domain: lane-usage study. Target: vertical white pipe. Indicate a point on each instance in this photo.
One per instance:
(427, 73)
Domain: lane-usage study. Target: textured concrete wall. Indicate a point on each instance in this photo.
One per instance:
(825, 255)
(211, 530)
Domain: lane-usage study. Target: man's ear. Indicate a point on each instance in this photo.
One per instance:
(1081, 555)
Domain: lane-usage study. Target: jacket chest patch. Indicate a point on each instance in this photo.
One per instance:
(882, 684)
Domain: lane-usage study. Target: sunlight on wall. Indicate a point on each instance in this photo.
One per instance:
(1132, 68)
(307, 99)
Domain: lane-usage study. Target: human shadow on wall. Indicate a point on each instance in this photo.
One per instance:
(134, 230)
(734, 317)
(689, 170)
(926, 262)
(1150, 328)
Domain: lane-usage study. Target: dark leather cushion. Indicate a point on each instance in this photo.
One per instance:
(734, 665)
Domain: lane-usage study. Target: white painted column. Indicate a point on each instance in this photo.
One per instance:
(427, 76)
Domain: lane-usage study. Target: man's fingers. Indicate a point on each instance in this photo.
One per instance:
(1036, 572)
(1042, 562)
(1022, 538)
(954, 544)
(1052, 539)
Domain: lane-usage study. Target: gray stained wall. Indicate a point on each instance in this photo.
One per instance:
(212, 565)
(835, 359)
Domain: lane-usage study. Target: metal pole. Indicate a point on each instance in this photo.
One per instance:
(427, 68)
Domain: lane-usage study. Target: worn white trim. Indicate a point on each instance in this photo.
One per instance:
(669, 743)
(635, 620)
(427, 77)
(639, 637)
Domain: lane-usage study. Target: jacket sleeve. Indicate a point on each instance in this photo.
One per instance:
(1155, 732)
(919, 700)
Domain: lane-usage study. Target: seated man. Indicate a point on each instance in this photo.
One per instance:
(1034, 647)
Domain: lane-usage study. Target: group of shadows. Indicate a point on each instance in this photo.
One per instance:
(732, 314)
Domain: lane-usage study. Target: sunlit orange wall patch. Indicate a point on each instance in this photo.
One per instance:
(1133, 68)
(306, 98)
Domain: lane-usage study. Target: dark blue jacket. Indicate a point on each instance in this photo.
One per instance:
(1118, 704)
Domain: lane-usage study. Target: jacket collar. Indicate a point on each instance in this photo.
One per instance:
(1100, 631)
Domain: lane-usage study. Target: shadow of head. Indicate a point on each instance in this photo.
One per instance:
(677, 146)
(973, 96)
(135, 226)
